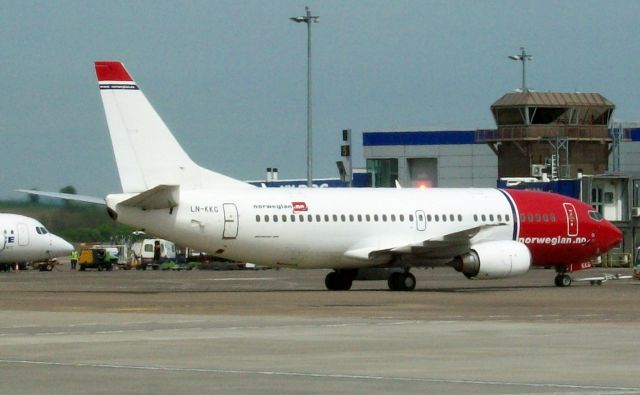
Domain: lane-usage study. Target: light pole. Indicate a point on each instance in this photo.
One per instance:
(308, 19)
(523, 56)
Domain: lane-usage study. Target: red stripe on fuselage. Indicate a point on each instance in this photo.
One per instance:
(107, 70)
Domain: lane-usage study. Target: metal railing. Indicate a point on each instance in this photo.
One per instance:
(537, 132)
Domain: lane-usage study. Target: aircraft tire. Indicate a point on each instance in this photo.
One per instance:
(562, 280)
(336, 281)
(401, 281)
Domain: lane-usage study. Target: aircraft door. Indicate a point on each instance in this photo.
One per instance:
(230, 221)
(421, 221)
(572, 219)
(23, 234)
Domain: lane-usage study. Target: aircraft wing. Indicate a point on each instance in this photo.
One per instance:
(441, 248)
(65, 196)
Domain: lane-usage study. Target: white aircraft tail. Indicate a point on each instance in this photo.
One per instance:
(147, 154)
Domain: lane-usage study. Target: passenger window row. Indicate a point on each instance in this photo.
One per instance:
(376, 218)
(537, 217)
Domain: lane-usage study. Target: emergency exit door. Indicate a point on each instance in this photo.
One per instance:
(230, 221)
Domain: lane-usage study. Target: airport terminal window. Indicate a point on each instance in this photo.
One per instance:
(384, 172)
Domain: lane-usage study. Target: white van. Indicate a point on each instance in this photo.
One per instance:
(143, 251)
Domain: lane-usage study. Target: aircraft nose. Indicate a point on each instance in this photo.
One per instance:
(611, 236)
(59, 247)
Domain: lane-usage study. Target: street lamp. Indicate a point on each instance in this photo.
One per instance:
(523, 56)
(308, 19)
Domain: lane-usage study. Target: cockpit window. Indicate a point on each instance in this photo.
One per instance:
(595, 215)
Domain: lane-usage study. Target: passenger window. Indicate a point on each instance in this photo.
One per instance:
(553, 217)
(420, 217)
(284, 218)
(310, 218)
(452, 217)
(429, 217)
(359, 217)
(257, 218)
(491, 217)
(293, 218)
(275, 218)
(538, 219)
(401, 217)
(350, 217)
(326, 218)
(545, 218)
(475, 217)
(500, 217)
(523, 217)
(460, 217)
(436, 218)
(301, 218)
(318, 218)
(384, 217)
(375, 217)
(410, 217)
(367, 217)
(393, 218)
(530, 217)
(444, 217)
(335, 218)
(343, 218)
(266, 218)
(506, 217)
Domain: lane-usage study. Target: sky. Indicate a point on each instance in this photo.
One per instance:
(229, 77)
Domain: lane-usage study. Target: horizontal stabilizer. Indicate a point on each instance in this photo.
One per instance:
(162, 196)
(65, 196)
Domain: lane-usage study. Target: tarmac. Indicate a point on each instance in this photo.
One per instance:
(281, 332)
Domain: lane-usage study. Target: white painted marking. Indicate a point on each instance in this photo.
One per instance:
(323, 375)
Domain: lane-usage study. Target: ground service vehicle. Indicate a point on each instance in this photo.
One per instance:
(95, 258)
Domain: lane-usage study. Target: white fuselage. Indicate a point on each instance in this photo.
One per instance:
(25, 239)
(320, 228)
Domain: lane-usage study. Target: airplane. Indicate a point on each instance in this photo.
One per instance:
(24, 239)
(360, 233)
(599, 280)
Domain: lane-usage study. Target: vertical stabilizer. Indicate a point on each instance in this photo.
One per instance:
(147, 154)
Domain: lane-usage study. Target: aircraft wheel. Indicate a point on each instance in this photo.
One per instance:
(563, 280)
(401, 281)
(336, 281)
(592, 282)
(599, 282)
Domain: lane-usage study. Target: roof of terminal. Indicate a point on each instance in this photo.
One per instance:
(551, 99)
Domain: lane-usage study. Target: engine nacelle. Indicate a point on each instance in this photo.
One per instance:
(494, 259)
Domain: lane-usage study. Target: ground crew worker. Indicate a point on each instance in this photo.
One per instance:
(74, 259)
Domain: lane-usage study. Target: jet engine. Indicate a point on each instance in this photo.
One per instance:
(494, 259)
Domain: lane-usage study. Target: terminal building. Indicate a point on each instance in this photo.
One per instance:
(560, 142)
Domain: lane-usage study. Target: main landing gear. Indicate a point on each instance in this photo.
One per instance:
(342, 279)
(402, 281)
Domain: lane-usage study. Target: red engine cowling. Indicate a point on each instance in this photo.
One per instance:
(494, 259)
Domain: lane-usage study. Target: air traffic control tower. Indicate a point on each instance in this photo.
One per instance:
(559, 134)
